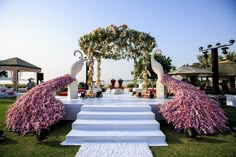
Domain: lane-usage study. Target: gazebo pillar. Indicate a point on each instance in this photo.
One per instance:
(15, 80)
(232, 82)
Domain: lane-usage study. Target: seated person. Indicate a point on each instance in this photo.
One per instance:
(30, 84)
(83, 94)
(99, 94)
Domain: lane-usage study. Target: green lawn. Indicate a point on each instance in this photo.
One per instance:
(179, 144)
(26, 146)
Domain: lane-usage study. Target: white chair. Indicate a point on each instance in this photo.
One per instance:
(230, 100)
(3, 91)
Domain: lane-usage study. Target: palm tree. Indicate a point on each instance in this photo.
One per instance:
(204, 60)
(197, 65)
(229, 56)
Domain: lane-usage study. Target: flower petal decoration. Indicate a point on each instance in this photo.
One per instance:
(116, 42)
(192, 108)
(38, 108)
(115, 38)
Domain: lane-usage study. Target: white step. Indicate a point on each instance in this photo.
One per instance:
(83, 124)
(117, 108)
(115, 115)
(77, 137)
(115, 123)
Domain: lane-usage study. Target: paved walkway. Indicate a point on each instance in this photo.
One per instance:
(114, 150)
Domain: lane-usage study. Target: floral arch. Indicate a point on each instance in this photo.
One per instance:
(116, 42)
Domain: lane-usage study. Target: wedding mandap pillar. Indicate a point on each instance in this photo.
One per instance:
(135, 72)
(145, 71)
(90, 71)
(98, 82)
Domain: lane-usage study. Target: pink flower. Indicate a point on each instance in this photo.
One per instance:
(36, 109)
(192, 108)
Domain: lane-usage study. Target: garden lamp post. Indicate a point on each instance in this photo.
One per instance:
(214, 61)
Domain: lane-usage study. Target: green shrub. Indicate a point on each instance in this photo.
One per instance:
(11, 85)
(21, 85)
(130, 85)
(82, 85)
(64, 89)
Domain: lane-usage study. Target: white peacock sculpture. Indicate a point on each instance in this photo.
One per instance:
(39, 108)
(190, 107)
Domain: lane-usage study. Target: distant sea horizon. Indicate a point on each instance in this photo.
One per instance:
(24, 81)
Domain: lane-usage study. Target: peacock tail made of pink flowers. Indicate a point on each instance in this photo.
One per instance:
(192, 108)
(38, 108)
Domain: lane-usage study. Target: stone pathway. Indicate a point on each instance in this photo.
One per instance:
(115, 149)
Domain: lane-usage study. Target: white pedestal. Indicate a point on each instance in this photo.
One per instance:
(140, 86)
(161, 91)
(73, 90)
(117, 91)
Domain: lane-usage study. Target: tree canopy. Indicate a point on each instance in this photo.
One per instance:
(229, 56)
(162, 59)
(205, 59)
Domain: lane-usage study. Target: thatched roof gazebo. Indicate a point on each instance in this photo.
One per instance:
(227, 68)
(227, 71)
(189, 71)
(17, 65)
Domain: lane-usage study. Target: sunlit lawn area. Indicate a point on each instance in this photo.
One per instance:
(179, 144)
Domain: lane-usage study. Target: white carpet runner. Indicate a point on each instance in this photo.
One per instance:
(114, 150)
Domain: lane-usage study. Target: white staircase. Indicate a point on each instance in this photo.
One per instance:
(115, 123)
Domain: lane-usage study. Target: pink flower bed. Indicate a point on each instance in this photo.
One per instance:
(192, 108)
(3, 90)
(38, 108)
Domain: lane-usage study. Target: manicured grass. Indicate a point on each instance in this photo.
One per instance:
(223, 145)
(26, 146)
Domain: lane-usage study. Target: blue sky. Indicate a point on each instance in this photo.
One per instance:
(46, 32)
